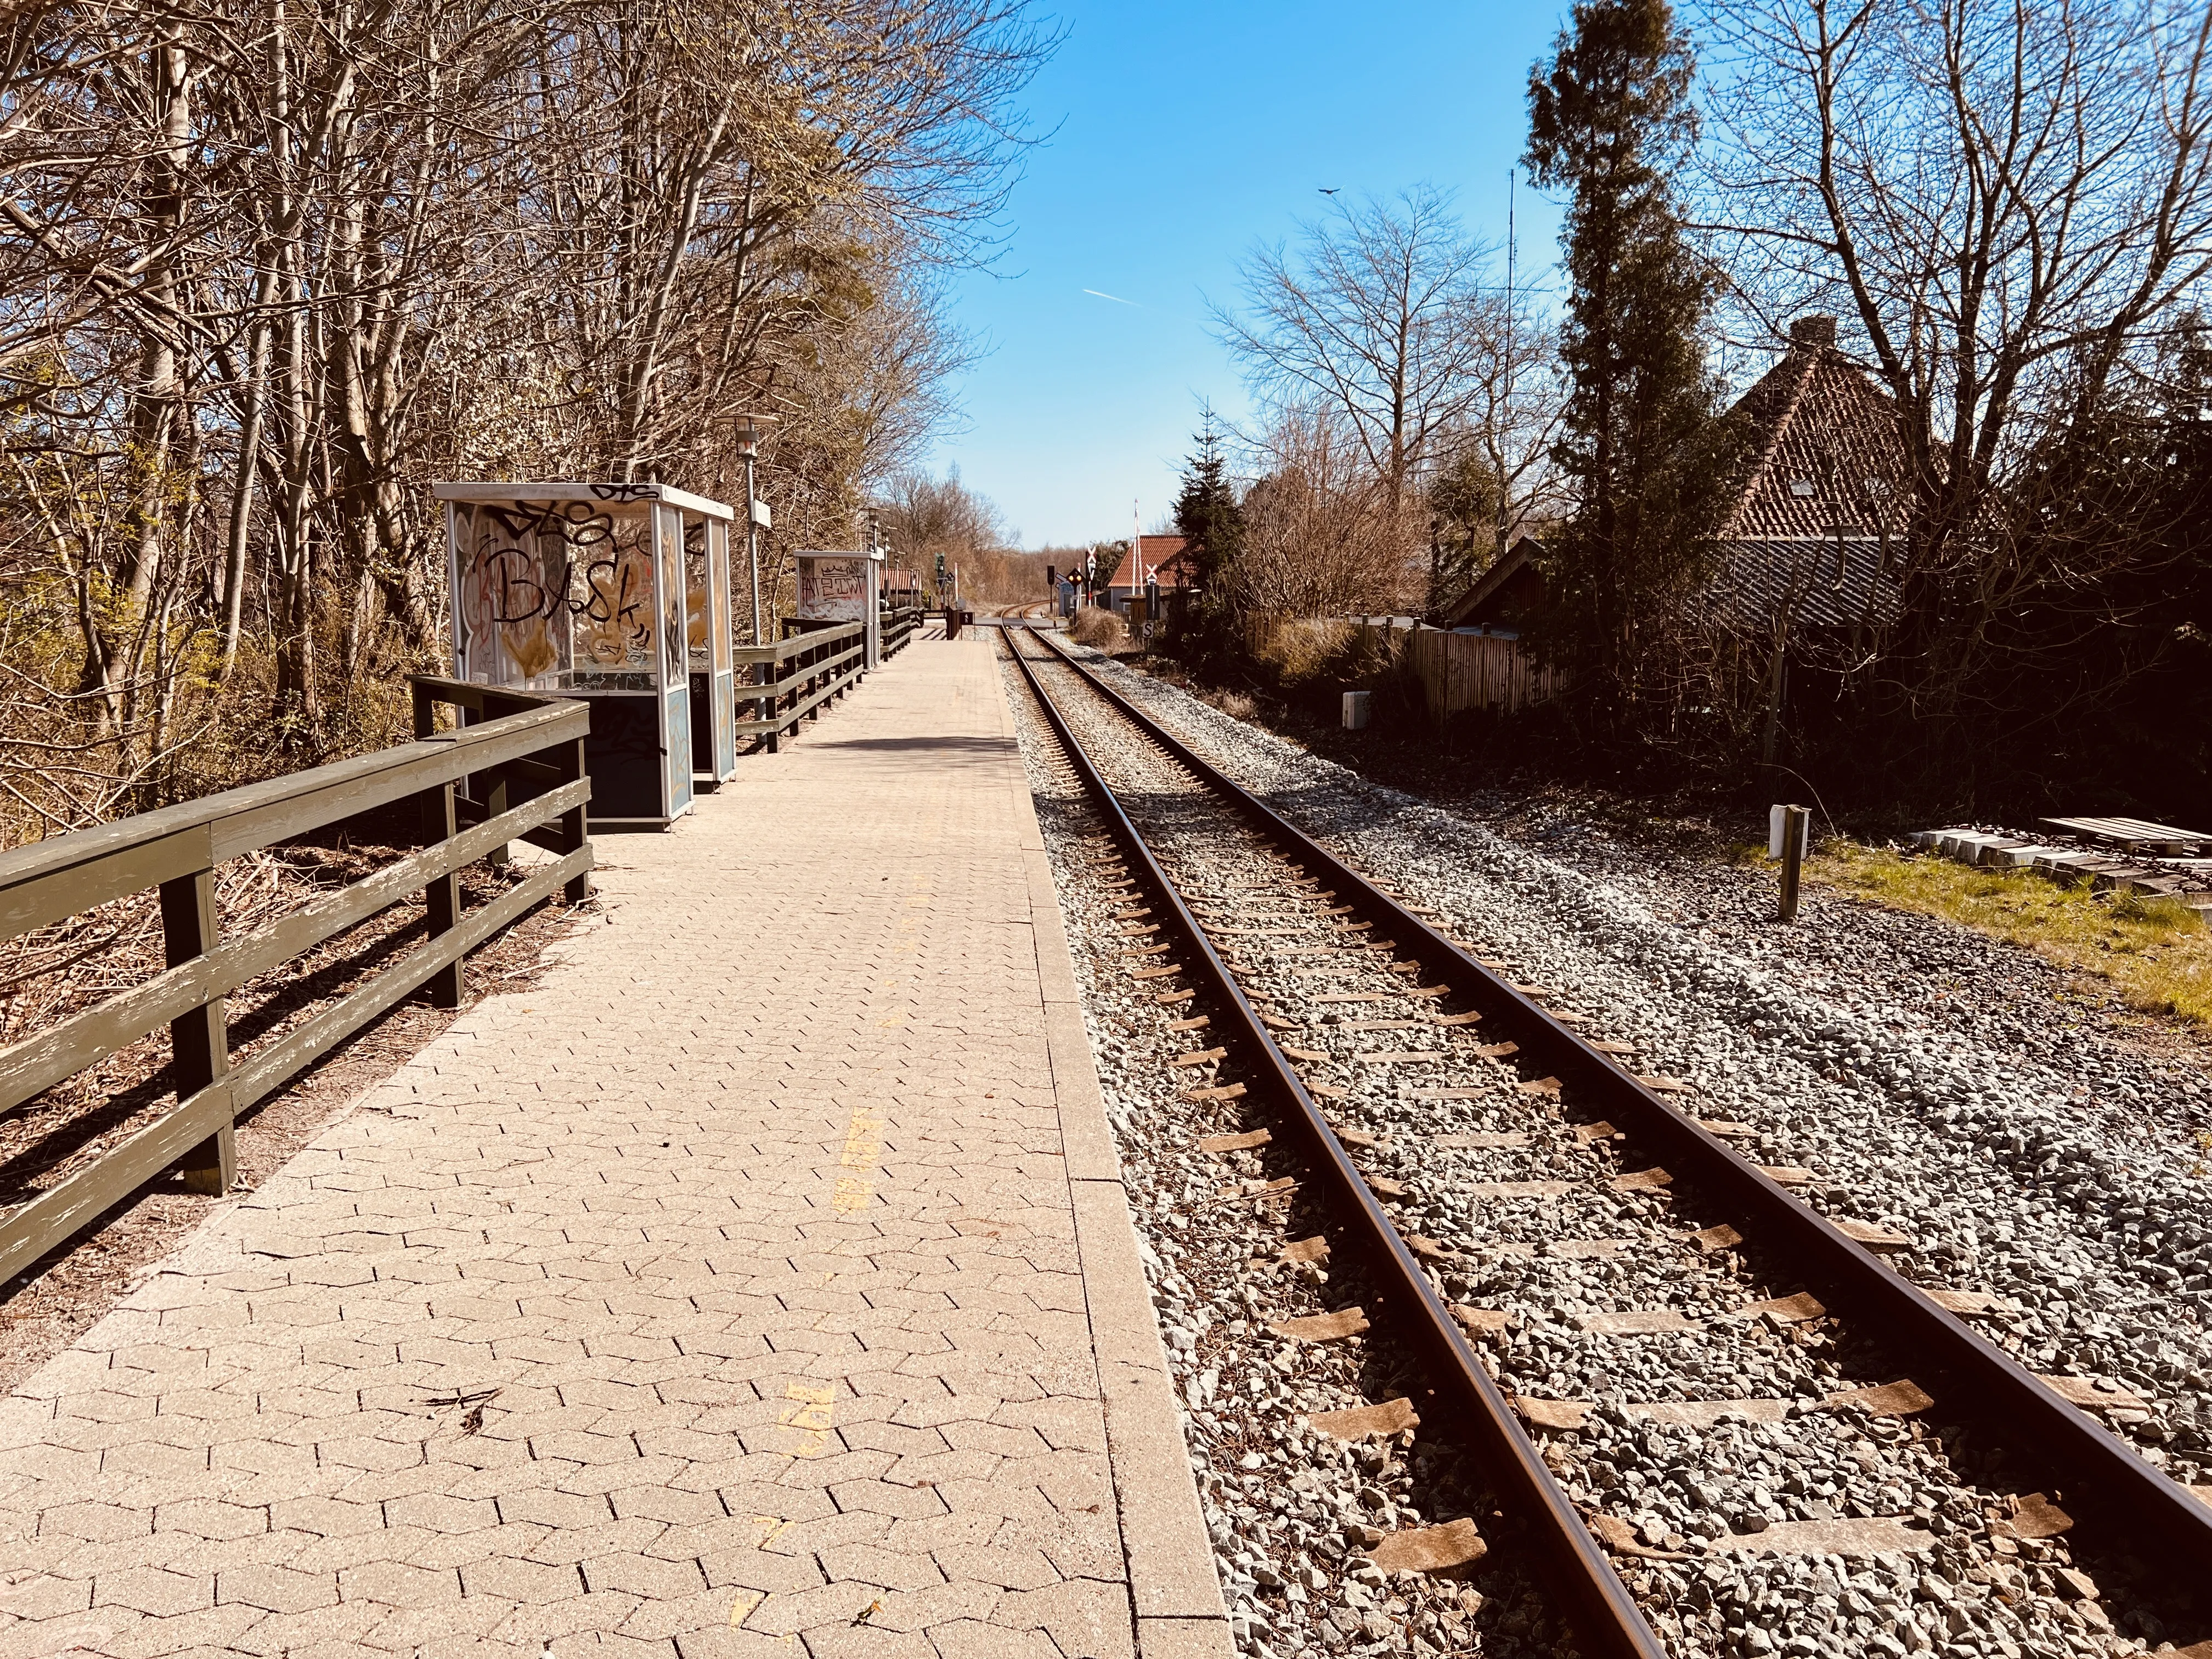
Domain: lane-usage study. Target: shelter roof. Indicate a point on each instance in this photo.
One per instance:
(1481, 602)
(614, 497)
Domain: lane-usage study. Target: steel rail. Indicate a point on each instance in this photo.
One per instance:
(1604, 1616)
(1973, 1379)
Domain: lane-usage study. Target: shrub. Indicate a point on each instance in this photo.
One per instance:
(1099, 628)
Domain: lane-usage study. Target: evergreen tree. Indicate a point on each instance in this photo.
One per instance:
(1209, 518)
(1466, 505)
(1207, 514)
(1611, 122)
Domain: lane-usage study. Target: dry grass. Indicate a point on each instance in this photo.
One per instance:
(1302, 648)
(2156, 952)
(1099, 628)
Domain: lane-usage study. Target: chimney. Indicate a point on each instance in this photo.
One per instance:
(1812, 330)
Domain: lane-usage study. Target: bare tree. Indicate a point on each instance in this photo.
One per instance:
(266, 271)
(928, 517)
(1511, 417)
(1492, 477)
(1384, 315)
(1320, 535)
(2011, 203)
(1384, 324)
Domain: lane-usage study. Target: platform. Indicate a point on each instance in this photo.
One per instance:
(758, 1283)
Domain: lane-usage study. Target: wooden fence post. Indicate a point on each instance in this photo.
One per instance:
(1796, 821)
(199, 1039)
(494, 803)
(490, 787)
(771, 675)
(442, 898)
(575, 825)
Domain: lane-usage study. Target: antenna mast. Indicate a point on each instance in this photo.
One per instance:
(1504, 413)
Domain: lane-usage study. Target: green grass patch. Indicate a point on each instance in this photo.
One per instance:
(2156, 951)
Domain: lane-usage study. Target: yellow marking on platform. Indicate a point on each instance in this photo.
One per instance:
(813, 1416)
(864, 1151)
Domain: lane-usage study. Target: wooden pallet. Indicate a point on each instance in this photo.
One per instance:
(2134, 834)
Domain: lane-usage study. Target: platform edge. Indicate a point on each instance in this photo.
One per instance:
(1174, 1587)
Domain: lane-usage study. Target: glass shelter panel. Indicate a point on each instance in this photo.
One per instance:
(698, 593)
(555, 596)
(718, 546)
(676, 682)
(714, 701)
(602, 590)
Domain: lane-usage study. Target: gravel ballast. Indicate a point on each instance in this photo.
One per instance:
(1944, 1118)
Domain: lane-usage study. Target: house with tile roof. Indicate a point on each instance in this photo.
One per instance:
(1813, 537)
(1150, 559)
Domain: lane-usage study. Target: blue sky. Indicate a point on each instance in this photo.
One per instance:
(1186, 133)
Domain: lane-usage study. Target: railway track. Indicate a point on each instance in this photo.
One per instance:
(1591, 1286)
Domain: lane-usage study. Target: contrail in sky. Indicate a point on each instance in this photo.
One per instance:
(1115, 298)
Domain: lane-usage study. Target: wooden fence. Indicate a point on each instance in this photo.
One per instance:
(524, 757)
(791, 680)
(900, 624)
(1458, 670)
(812, 665)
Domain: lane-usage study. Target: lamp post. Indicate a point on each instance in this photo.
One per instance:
(749, 447)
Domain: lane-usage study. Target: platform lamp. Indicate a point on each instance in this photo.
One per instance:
(749, 438)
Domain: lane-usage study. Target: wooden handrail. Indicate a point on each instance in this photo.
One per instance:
(525, 759)
(50, 880)
(900, 626)
(784, 649)
(811, 667)
(806, 667)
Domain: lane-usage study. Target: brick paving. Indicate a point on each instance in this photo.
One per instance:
(758, 1284)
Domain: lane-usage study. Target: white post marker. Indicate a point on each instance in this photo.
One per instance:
(1356, 707)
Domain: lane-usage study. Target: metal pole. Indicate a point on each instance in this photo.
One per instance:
(752, 547)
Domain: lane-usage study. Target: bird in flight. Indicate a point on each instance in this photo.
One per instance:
(1328, 190)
